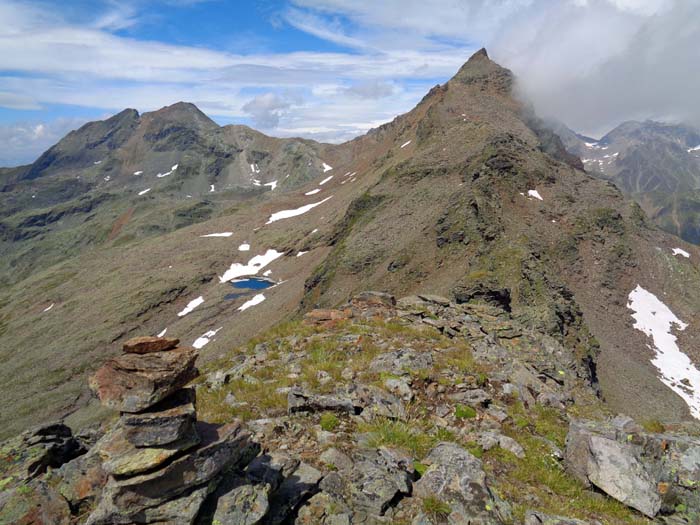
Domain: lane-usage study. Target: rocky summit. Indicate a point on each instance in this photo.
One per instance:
(447, 320)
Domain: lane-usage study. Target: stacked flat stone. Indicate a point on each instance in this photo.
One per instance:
(162, 463)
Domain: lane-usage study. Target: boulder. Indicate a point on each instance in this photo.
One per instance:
(135, 382)
(321, 316)
(80, 481)
(373, 299)
(222, 448)
(401, 361)
(148, 344)
(33, 452)
(455, 476)
(299, 400)
(365, 492)
(239, 502)
(595, 456)
(35, 503)
(298, 485)
(372, 401)
(167, 422)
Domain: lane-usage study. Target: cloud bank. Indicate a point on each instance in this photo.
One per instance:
(590, 63)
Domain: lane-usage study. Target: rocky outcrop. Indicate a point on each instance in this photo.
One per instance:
(456, 476)
(649, 472)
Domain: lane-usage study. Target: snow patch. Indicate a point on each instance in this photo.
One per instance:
(205, 338)
(162, 333)
(680, 251)
(677, 371)
(211, 188)
(696, 148)
(256, 264)
(48, 308)
(313, 192)
(299, 254)
(252, 302)
(244, 247)
(286, 214)
(267, 273)
(222, 234)
(194, 303)
(97, 162)
(143, 192)
(535, 194)
(325, 180)
(405, 144)
(173, 167)
(326, 167)
(161, 175)
(138, 172)
(272, 185)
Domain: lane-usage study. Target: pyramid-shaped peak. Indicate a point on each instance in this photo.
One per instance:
(184, 112)
(481, 69)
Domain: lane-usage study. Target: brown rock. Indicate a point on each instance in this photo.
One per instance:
(34, 504)
(148, 344)
(135, 382)
(322, 316)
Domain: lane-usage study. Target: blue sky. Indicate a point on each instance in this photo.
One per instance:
(326, 69)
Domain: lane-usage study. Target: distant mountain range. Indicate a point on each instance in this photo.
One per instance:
(656, 164)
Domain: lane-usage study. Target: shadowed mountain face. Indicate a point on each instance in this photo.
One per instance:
(657, 164)
(464, 196)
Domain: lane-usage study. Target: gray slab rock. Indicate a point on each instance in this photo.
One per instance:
(457, 477)
(221, 449)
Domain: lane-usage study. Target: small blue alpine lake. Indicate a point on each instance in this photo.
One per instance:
(248, 286)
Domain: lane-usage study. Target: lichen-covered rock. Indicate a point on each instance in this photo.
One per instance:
(299, 400)
(81, 480)
(595, 456)
(148, 344)
(240, 502)
(222, 448)
(457, 477)
(30, 454)
(35, 503)
(122, 458)
(135, 382)
(401, 361)
(297, 486)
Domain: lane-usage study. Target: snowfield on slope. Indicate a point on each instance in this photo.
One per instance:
(205, 338)
(676, 369)
(680, 251)
(287, 214)
(252, 302)
(222, 234)
(535, 194)
(256, 264)
(194, 303)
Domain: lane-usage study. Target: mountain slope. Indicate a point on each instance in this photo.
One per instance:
(133, 176)
(458, 197)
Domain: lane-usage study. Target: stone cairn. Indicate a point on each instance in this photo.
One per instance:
(161, 462)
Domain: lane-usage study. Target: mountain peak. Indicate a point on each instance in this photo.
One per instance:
(480, 69)
(183, 112)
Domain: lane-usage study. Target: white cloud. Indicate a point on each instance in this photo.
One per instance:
(24, 141)
(589, 62)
